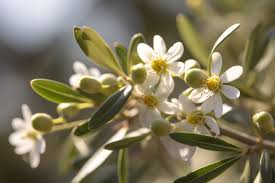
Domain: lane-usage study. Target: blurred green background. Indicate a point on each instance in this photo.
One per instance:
(36, 41)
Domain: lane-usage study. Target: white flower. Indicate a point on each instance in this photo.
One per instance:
(26, 139)
(153, 95)
(216, 84)
(196, 119)
(81, 70)
(160, 61)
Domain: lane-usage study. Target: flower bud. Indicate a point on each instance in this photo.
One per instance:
(109, 82)
(264, 121)
(68, 110)
(161, 127)
(195, 78)
(138, 73)
(42, 122)
(90, 84)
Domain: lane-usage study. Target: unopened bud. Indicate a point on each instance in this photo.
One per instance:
(161, 127)
(90, 84)
(264, 121)
(42, 122)
(68, 110)
(195, 78)
(138, 73)
(109, 82)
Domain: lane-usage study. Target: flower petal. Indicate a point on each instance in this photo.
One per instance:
(230, 92)
(80, 68)
(27, 114)
(167, 107)
(199, 95)
(166, 86)
(145, 52)
(175, 52)
(212, 124)
(216, 63)
(159, 45)
(208, 105)
(202, 130)
(18, 123)
(41, 145)
(24, 148)
(178, 150)
(94, 72)
(16, 138)
(148, 115)
(190, 63)
(176, 68)
(226, 109)
(231, 74)
(149, 83)
(186, 104)
(34, 158)
(183, 126)
(218, 105)
(74, 80)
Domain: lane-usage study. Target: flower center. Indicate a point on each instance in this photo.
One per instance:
(195, 118)
(213, 83)
(150, 100)
(32, 135)
(159, 66)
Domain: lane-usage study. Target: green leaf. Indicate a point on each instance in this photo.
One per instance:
(132, 56)
(121, 52)
(122, 166)
(208, 172)
(255, 47)
(204, 141)
(107, 111)
(98, 157)
(56, 92)
(246, 175)
(192, 40)
(266, 167)
(129, 139)
(94, 46)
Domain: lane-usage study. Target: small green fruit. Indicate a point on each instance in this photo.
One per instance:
(90, 84)
(264, 121)
(138, 73)
(161, 127)
(42, 122)
(109, 83)
(195, 78)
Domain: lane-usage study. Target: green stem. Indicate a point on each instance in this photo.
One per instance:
(66, 126)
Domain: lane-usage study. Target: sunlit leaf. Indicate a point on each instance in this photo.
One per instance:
(209, 172)
(192, 40)
(129, 139)
(98, 157)
(266, 167)
(121, 52)
(122, 166)
(107, 111)
(204, 141)
(56, 92)
(132, 55)
(94, 46)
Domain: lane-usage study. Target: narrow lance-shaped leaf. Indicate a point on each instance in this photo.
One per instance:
(122, 166)
(266, 167)
(121, 52)
(204, 141)
(98, 158)
(221, 38)
(56, 92)
(132, 56)
(129, 139)
(94, 46)
(209, 172)
(192, 39)
(107, 111)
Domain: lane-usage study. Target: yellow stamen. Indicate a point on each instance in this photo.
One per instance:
(213, 83)
(159, 66)
(150, 100)
(32, 135)
(195, 118)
